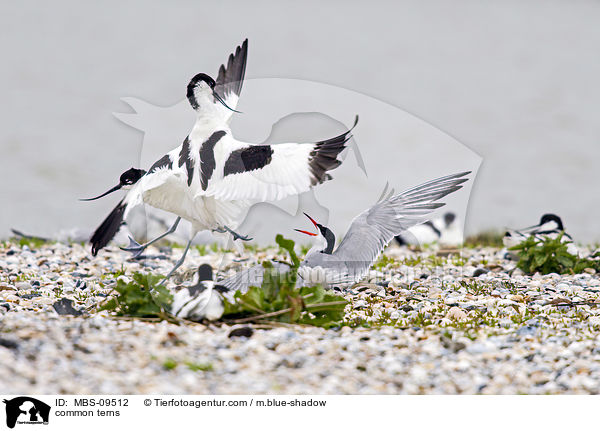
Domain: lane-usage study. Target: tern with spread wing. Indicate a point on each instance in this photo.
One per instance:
(211, 178)
(366, 238)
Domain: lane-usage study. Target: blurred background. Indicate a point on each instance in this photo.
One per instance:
(516, 83)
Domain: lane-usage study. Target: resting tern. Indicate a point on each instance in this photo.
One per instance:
(211, 177)
(366, 238)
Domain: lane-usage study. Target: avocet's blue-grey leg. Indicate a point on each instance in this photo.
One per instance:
(179, 262)
(237, 235)
(137, 249)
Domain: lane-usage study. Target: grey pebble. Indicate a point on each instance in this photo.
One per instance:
(480, 271)
(64, 307)
(244, 331)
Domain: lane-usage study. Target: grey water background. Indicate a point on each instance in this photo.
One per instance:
(515, 82)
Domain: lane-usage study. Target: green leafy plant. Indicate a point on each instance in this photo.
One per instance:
(278, 299)
(550, 255)
(142, 297)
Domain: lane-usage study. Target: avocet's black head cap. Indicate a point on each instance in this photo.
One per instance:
(195, 81)
(449, 217)
(131, 176)
(193, 95)
(205, 272)
(546, 218)
(127, 179)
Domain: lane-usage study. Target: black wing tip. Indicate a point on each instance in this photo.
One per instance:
(457, 179)
(242, 50)
(241, 47)
(230, 78)
(108, 228)
(341, 138)
(324, 157)
(452, 177)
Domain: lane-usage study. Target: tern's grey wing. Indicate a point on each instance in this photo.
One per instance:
(374, 228)
(230, 79)
(242, 280)
(252, 276)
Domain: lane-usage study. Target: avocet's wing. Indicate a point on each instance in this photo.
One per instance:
(108, 228)
(374, 228)
(230, 79)
(273, 172)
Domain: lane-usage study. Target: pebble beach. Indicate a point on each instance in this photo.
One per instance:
(424, 322)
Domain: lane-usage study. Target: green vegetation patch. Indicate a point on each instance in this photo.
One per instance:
(550, 255)
(142, 297)
(278, 299)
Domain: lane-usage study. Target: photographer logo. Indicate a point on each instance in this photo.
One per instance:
(26, 410)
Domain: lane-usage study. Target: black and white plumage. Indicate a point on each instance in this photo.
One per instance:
(111, 224)
(241, 171)
(444, 230)
(550, 226)
(212, 178)
(366, 238)
(203, 300)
